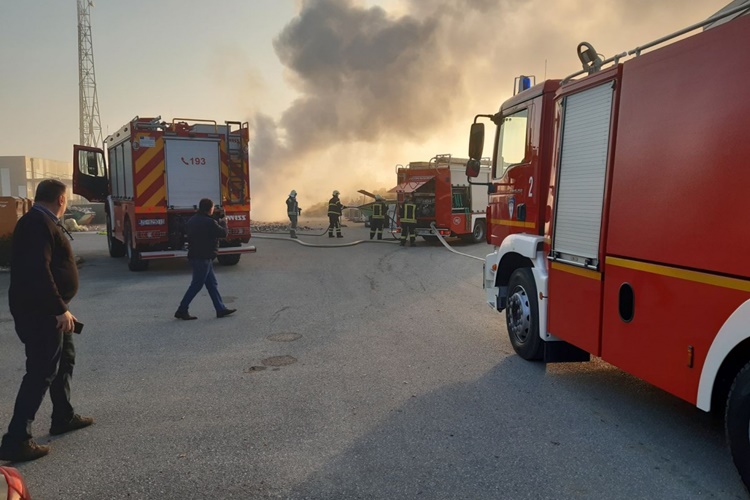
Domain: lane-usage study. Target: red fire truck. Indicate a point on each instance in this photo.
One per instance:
(156, 175)
(444, 198)
(619, 217)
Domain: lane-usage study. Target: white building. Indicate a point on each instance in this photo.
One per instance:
(19, 175)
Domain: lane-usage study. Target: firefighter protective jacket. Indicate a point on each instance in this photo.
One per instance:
(378, 210)
(292, 207)
(408, 213)
(335, 206)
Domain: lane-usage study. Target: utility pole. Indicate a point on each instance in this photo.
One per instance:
(88, 106)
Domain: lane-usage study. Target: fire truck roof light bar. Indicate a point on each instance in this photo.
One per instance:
(637, 51)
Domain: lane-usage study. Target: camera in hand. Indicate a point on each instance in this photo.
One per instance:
(219, 213)
(77, 327)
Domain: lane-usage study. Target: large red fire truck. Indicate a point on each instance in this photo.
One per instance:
(619, 217)
(446, 203)
(156, 175)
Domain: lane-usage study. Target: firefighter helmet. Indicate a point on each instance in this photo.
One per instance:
(293, 193)
(335, 192)
(378, 197)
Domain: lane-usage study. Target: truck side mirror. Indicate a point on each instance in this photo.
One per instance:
(476, 142)
(472, 168)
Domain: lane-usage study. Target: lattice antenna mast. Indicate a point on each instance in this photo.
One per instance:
(88, 107)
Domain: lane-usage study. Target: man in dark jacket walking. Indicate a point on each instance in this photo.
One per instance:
(204, 232)
(43, 280)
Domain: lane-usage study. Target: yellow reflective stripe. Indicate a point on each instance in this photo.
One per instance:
(578, 271)
(513, 223)
(683, 274)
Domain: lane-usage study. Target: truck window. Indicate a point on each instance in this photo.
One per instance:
(90, 163)
(511, 141)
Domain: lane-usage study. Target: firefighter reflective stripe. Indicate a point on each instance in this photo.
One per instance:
(377, 211)
(410, 213)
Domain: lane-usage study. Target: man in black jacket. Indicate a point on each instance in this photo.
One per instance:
(204, 232)
(43, 280)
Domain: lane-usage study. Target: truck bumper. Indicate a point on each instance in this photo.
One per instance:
(171, 254)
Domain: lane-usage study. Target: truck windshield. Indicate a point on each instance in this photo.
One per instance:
(511, 141)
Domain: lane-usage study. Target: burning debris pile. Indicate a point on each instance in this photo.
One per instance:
(282, 227)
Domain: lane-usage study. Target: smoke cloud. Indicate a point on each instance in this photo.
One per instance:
(376, 89)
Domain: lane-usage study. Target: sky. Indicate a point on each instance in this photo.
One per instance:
(336, 92)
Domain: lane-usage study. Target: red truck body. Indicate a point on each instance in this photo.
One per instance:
(446, 203)
(634, 247)
(156, 174)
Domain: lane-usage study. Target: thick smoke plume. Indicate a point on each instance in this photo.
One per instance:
(374, 87)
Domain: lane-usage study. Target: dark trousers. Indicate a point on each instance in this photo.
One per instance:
(408, 230)
(203, 274)
(50, 358)
(292, 221)
(376, 227)
(333, 223)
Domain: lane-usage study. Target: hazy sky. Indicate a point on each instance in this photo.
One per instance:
(337, 92)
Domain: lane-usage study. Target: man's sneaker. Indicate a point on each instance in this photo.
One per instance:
(225, 312)
(75, 423)
(184, 315)
(23, 452)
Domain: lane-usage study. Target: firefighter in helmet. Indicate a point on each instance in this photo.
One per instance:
(408, 216)
(377, 220)
(293, 211)
(334, 214)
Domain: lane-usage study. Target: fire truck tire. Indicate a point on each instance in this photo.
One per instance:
(522, 315)
(116, 247)
(229, 260)
(135, 263)
(480, 229)
(737, 420)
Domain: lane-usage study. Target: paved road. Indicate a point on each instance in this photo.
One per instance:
(370, 371)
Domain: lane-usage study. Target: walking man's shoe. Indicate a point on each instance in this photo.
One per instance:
(75, 423)
(184, 315)
(23, 452)
(225, 312)
(339, 236)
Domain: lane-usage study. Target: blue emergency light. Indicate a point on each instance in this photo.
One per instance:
(522, 83)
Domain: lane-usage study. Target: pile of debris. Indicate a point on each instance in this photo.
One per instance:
(280, 227)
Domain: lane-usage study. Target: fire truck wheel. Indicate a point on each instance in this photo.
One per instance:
(479, 231)
(229, 260)
(522, 315)
(737, 421)
(116, 247)
(135, 263)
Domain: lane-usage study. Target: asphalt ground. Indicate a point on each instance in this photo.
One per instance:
(370, 371)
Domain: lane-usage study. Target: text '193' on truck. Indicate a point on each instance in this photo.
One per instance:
(156, 174)
(446, 203)
(619, 220)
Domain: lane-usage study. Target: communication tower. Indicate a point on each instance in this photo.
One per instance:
(88, 107)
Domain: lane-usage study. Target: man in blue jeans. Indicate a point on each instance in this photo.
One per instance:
(204, 232)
